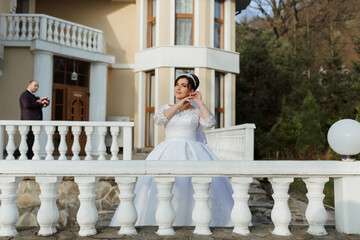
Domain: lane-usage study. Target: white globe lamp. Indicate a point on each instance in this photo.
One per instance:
(344, 138)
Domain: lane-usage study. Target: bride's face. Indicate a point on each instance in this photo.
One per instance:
(182, 89)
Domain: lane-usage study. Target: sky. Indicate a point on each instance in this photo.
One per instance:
(250, 12)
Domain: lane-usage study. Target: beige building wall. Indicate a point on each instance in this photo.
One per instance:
(5, 6)
(17, 71)
(205, 85)
(120, 92)
(164, 96)
(204, 26)
(164, 22)
(116, 19)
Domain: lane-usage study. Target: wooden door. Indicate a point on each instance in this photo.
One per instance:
(77, 110)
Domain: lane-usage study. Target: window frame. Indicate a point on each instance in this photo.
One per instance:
(185, 16)
(150, 108)
(221, 21)
(149, 21)
(222, 95)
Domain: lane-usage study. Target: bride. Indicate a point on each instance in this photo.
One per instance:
(184, 141)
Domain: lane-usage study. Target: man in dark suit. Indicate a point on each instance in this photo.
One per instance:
(31, 109)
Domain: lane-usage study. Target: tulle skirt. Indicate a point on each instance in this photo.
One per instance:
(220, 202)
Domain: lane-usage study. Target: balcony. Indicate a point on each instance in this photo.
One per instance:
(48, 171)
(21, 29)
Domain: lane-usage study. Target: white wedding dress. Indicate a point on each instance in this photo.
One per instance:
(182, 131)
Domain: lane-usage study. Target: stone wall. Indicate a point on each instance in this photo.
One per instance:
(28, 201)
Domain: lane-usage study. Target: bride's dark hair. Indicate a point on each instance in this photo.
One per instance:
(193, 80)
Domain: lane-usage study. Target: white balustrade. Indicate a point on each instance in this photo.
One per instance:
(23, 148)
(88, 147)
(114, 144)
(26, 27)
(87, 214)
(36, 147)
(127, 214)
(62, 146)
(280, 214)
(201, 215)
(315, 212)
(8, 211)
(102, 147)
(10, 147)
(165, 214)
(76, 130)
(240, 214)
(48, 214)
(49, 144)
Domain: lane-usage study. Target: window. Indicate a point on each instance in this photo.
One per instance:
(63, 67)
(22, 6)
(219, 24)
(151, 23)
(184, 22)
(149, 109)
(219, 99)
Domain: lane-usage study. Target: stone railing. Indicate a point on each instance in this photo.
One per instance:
(232, 143)
(26, 27)
(241, 173)
(44, 131)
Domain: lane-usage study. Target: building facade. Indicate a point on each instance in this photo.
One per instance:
(117, 59)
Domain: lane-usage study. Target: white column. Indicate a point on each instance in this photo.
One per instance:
(172, 84)
(172, 22)
(315, 212)
(240, 214)
(212, 22)
(87, 215)
(158, 23)
(9, 213)
(227, 25)
(143, 25)
(201, 215)
(280, 214)
(165, 214)
(228, 97)
(157, 90)
(97, 99)
(347, 204)
(212, 79)
(127, 214)
(141, 110)
(48, 214)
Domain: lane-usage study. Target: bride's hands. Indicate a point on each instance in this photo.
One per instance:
(184, 102)
(196, 97)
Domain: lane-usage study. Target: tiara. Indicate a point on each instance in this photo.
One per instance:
(191, 76)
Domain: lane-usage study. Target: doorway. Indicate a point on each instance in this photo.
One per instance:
(70, 97)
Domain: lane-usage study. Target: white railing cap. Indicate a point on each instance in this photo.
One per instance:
(65, 123)
(304, 168)
(232, 128)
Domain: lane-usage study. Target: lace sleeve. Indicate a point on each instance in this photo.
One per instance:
(208, 122)
(159, 117)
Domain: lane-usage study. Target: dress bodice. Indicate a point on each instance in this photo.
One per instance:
(183, 125)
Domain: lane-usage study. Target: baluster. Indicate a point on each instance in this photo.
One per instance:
(36, 147)
(23, 144)
(62, 146)
(49, 30)
(37, 28)
(10, 35)
(280, 214)
(315, 212)
(73, 36)
(114, 145)
(62, 33)
(165, 214)
(88, 148)
(240, 214)
(79, 38)
(49, 148)
(90, 43)
(9, 213)
(85, 39)
(76, 130)
(102, 146)
(95, 41)
(127, 214)
(23, 28)
(17, 28)
(48, 214)
(201, 215)
(67, 36)
(56, 31)
(99, 40)
(127, 140)
(87, 214)
(3, 27)
(10, 147)
(30, 29)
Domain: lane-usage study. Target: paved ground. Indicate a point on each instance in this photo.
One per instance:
(184, 233)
